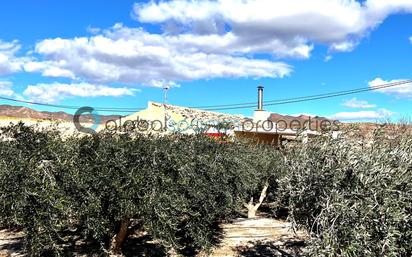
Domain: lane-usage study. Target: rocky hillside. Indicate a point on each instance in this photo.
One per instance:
(299, 122)
(20, 112)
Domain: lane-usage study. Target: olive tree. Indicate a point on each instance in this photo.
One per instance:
(353, 196)
(176, 188)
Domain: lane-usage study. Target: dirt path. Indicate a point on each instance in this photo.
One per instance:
(261, 237)
(11, 243)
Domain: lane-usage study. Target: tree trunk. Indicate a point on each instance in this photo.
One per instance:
(252, 208)
(118, 240)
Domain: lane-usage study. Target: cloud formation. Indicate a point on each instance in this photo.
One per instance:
(129, 55)
(362, 115)
(211, 39)
(55, 92)
(208, 39)
(360, 104)
(9, 63)
(48, 69)
(264, 25)
(6, 88)
(404, 90)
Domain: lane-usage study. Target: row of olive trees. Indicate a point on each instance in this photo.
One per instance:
(354, 196)
(176, 188)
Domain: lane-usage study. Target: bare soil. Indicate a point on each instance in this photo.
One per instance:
(260, 237)
(11, 243)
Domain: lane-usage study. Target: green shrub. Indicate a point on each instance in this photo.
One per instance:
(354, 196)
(32, 170)
(176, 188)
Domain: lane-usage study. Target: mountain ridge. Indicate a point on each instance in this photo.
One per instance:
(22, 112)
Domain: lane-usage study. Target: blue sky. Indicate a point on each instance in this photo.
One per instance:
(120, 53)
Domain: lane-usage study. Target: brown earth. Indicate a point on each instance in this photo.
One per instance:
(11, 244)
(261, 237)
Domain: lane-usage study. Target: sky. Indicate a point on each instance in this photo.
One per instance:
(120, 54)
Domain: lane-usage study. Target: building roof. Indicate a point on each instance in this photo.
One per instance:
(185, 119)
(192, 113)
(165, 113)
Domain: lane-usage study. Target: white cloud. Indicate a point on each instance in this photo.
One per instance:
(404, 90)
(293, 23)
(164, 84)
(55, 92)
(9, 63)
(129, 55)
(362, 115)
(48, 69)
(34, 66)
(328, 58)
(410, 39)
(6, 88)
(212, 39)
(355, 103)
(57, 72)
(93, 30)
(346, 46)
(380, 9)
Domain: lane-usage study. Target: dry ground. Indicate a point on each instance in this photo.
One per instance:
(261, 237)
(11, 243)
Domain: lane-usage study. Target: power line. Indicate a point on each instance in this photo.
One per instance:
(230, 106)
(347, 92)
(310, 97)
(71, 107)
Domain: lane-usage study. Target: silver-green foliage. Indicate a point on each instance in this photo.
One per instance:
(353, 195)
(176, 188)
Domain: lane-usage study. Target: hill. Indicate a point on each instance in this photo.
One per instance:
(20, 112)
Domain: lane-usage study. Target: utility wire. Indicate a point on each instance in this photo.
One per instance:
(308, 98)
(71, 107)
(231, 106)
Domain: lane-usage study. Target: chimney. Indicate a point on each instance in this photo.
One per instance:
(260, 115)
(260, 98)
